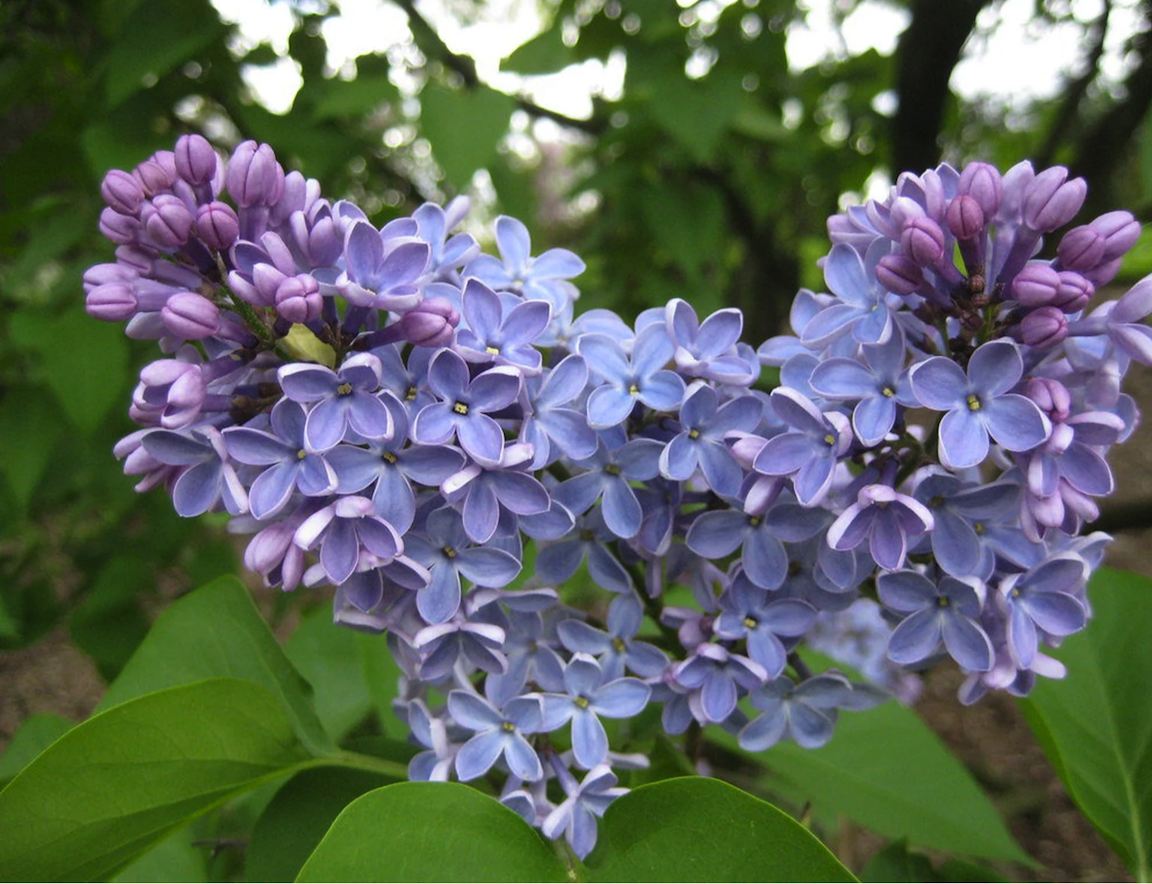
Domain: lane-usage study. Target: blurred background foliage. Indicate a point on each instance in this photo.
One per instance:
(706, 173)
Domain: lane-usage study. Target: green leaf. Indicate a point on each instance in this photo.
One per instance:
(464, 126)
(431, 832)
(157, 37)
(895, 863)
(110, 624)
(29, 426)
(117, 783)
(1096, 724)
(36, 733)
(176, 858)
(889, 772)
(341, 98)
(298, 817)
(380, 672)
(699, 829)
(84, 362)
(216, 631)
(328, 657)
(545, 53)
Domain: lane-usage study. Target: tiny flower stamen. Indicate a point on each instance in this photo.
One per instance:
(460, 408)
(973, 402)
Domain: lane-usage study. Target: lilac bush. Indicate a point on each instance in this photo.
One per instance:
(392, 413)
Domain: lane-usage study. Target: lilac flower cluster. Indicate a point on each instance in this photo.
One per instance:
(392, 413)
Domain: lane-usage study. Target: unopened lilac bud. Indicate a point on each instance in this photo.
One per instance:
(899, 274)
(1074, 292)
(254, 178)
(1104, 273)
(120, 229)
(154, 176)
(122, 192)
(965, 218)
(102, 274)
(1120, 231)
(170, 394)
(1036, 285)
(111, 302)
(195, 159)
(167, 220)
(1081, 248)
(1051, 201)
(983, 183)
(190, 316)
(217, 225)
(298, 298)
(903, 210)
(431, 323)
(1044, 327)
(292, 198)
(923, 241)
(1050, 396)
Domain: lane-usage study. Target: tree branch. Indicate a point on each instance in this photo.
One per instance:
(1074, 94)
(929, 49)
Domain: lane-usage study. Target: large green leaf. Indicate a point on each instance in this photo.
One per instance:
(328, 656)
(464, 126)
(545, 53)
(431, 832)
(82, 361)
(1096, 724)
(29, 428)
(216, 631)
(699, 829)
(114, 785)
(886, 770)
(36, 733)
(298, 817)
(157, 37)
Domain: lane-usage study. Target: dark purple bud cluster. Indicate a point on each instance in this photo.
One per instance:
(394, 414)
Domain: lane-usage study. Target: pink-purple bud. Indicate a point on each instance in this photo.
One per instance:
(1051, 201)
(982, 182)
(923, 241)
(195, 159)
(1036, 285)
(1044, 327)
(298, 298)
(1120, 231)
(167, 220)
(102, 274)
(903, 210)
(1081, 248)
(1074, 292)
(1050, 396)
(170, 394)
(965, 218)
(111, 302)
(217, 225)
(190, 316)
(154, 176)
(254, 178)
(899, 274)
(431, 323)
(120, 229)
(122, 192)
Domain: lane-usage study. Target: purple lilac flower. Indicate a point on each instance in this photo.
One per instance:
(575, 816)
(716, 676)
(556, 562)
(497, 733)
(948, 611)
(810, 451)
(978, 404)
(608, 475)
(441, 645)
(589, 696)
(708, 349)
(436, 762)
(969, 524)
(382, 272)
(290, 465)
(535, 278)
(207, 477)
(392, 465)
(499, 332)
(617, 648)
(642, 378)
(863, 307)
(804, 712)
(464, 407)
(342, 530)
(343, 400)
(485, 494)
(887, 519)
(552, 429)
(1042, 599)
(753, 614)
(705, 424)
(446, 551)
